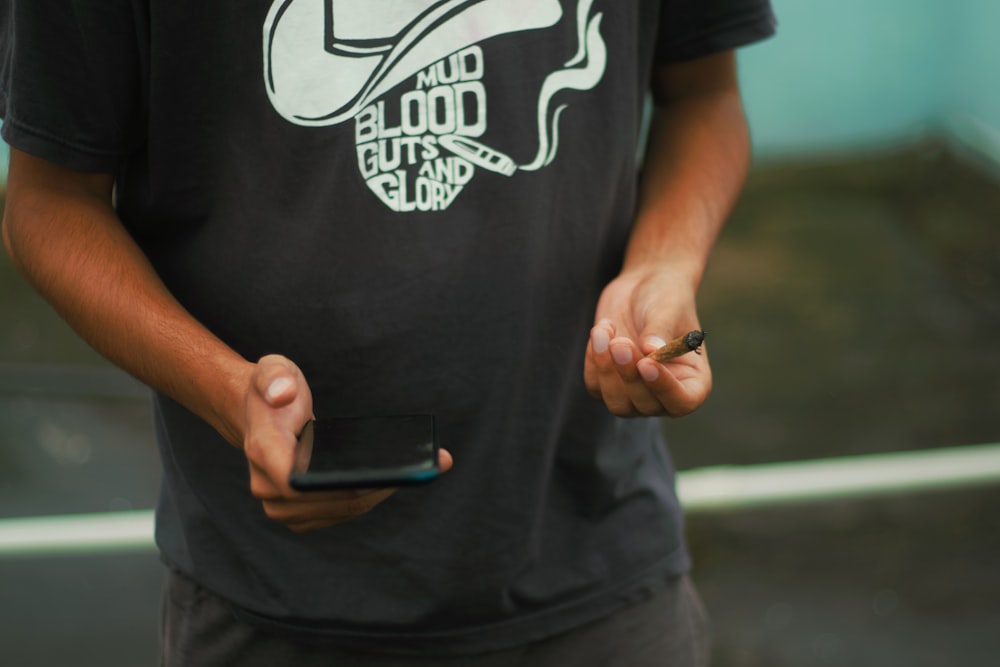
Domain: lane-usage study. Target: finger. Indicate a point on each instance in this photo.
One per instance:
(625, 355)
(335, 506)
(680, 388)
(604, 382)
(445, 460)
(590, 375)
(297, 510)
(600, 336)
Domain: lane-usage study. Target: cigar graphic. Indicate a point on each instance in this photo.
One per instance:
(479, 154)
(689, 342)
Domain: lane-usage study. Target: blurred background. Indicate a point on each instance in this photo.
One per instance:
(843, 481)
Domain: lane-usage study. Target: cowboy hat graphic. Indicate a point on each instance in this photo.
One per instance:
(326, 60)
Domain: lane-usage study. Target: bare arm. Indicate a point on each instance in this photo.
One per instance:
(64, 237)
(62, 233)
(696, 164)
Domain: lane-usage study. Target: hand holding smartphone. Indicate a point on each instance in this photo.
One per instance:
(365, 452)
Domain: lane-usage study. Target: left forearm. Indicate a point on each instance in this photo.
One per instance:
(696, 163)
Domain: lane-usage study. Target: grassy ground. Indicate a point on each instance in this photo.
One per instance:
(852, 308)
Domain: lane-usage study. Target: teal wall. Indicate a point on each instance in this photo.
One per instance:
(849, 75)
(974, 86)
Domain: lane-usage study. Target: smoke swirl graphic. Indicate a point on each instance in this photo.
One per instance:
(593, 53)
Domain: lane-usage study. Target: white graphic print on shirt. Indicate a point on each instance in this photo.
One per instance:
(330, 61)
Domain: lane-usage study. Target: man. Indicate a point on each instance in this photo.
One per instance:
(277, 210)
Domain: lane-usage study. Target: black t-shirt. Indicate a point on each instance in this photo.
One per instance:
(418, 202)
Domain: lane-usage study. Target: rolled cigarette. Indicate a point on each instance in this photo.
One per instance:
(689, 342)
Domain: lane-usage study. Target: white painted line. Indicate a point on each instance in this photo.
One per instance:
(77, 534)
(722, 488)
(727, 487)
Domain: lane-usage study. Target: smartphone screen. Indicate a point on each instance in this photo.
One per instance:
(357, 452)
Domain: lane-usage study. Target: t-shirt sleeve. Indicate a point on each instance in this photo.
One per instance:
(69, 80)
(694, 28)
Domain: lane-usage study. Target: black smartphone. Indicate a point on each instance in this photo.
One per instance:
(359, 452)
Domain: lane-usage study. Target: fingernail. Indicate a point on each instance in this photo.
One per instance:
(622, 354)
(277, 387)
(649, 371)
(655, 342)
(600, 340)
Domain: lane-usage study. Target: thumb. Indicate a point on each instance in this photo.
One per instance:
(659, 332)
(275, 381)
(656, 333)
(280, 391)
(650, 341)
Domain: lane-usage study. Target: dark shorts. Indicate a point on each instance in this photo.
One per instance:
(667, 630)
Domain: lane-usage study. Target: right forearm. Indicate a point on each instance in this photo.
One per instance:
(70, 245)
(63, 235)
